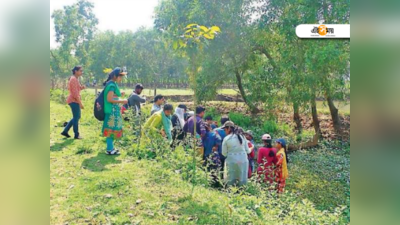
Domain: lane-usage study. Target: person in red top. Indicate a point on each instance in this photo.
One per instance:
(266, 160)
(74, 101)
(249, 136)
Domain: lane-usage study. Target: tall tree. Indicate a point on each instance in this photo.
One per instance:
(233, 44)
(75, 26)
(301, 62)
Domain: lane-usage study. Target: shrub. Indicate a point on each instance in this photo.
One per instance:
(214, 113)
(58, 96)
(240, 120)
(270, 126)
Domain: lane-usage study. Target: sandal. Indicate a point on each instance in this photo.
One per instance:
(113, 152)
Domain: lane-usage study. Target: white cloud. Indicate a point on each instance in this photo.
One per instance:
(116, 15)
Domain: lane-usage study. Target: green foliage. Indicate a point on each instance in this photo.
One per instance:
(270, 127)
(240, 119)
(213, 112)
(75, 26)
(58, 95)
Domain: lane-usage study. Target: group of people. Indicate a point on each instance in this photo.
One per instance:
(226, 150)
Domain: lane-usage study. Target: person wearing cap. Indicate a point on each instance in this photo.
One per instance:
(200, 132)
(235, 148)
(160, 123)
(112, 126)
(135, 100)
(74, 101)
(249, 137)
(178, 122)
(158, 102)
(266, 160)
(281, 171)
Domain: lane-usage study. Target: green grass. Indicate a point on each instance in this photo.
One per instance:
(343, 107)
(87, 186)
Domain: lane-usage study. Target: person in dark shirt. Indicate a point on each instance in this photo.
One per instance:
(200, 132)
(135, 100)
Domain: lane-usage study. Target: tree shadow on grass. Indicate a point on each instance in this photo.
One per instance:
(60, 146)
(98, 163)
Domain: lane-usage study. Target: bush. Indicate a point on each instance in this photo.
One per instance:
(58, 96)
(270, 127)
(214, 114)
(240, 120)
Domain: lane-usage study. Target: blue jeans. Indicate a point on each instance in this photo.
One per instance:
(76, 113)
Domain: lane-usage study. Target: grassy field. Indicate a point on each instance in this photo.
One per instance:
(89, 187)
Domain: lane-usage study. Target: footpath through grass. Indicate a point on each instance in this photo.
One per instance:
(89, 187)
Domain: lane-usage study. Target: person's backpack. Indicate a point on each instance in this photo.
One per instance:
(99, 106)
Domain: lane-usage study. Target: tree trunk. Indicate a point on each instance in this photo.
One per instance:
(253, 109)
(316, 122)
(306, 145)
(297, 118)
(155, 88)
(335, 115)
(53, 84)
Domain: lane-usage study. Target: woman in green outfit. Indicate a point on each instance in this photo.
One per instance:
(112, 126)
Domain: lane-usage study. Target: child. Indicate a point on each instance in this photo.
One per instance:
(249, 136)
(281, 171)
(112, 126)
(266, 160)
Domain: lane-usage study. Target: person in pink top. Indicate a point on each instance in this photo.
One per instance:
(74, 101)
(266, 160)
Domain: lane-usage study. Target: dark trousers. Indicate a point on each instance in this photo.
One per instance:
(76, 113)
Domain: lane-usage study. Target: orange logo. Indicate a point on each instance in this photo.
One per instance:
(322, 30)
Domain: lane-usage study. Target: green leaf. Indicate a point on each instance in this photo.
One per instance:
(182, 44)
(175, 45)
